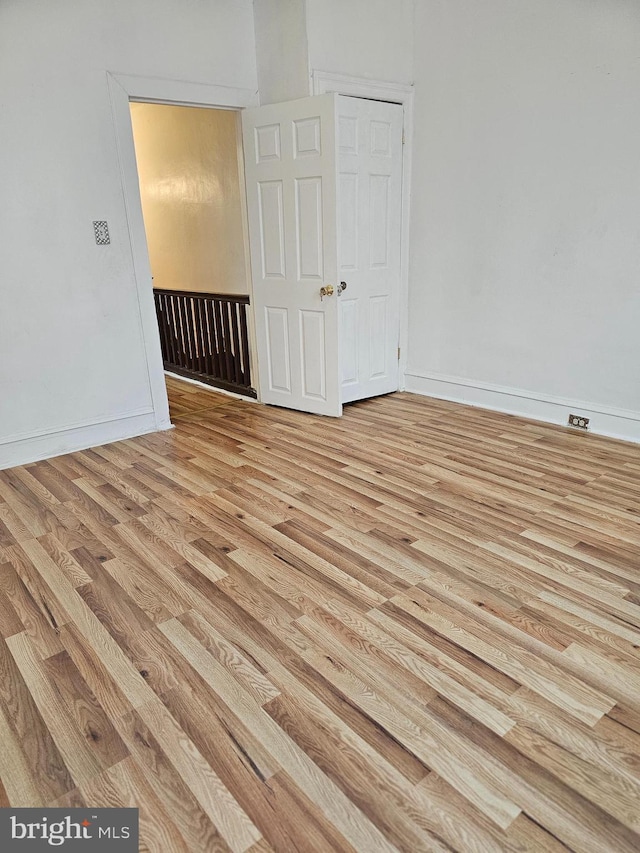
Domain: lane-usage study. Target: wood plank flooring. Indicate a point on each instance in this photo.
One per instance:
(415, 628)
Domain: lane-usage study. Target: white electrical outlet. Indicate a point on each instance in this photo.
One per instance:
(578, 421)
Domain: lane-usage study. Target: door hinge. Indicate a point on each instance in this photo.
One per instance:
(398, 353)
(403, 135)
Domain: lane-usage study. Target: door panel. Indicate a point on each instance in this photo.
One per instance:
(348, 219)
(291, 180)
(378, 336)
(271, 229)
(309, 237)
(349, 340)
(378, 221)
(312, 354)
(369, 228)
(278, 359)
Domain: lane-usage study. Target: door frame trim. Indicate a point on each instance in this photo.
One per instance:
(122, 89)
(323, 82)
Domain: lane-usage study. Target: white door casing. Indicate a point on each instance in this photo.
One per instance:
(123, 89)
(369, 245)
(291, 177)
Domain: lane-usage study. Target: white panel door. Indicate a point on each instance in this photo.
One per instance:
(369, 239)
(291, 176)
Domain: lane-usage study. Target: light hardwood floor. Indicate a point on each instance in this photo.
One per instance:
(415, 628)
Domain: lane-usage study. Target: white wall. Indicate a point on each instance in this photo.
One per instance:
(281, 50)
(526, 207)
(72, 365)
(364, 38)
(190, 192)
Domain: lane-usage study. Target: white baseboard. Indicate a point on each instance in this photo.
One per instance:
(23, 449)
(603, 420)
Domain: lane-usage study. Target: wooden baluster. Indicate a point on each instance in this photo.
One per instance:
(237, 363)
(244, 334)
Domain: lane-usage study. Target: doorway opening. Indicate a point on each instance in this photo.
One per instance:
(125, 89)
(189, 163)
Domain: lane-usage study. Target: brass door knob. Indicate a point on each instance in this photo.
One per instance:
(327, 290)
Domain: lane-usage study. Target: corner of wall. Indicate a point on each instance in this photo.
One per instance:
(604, 420)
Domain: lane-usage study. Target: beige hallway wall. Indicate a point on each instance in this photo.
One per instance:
(189, 186)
